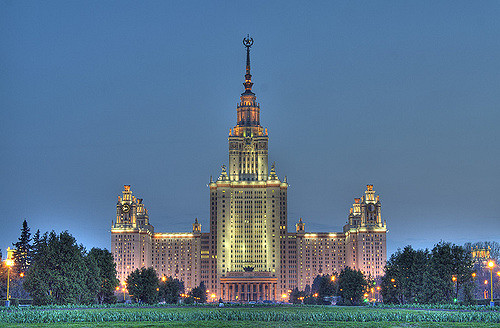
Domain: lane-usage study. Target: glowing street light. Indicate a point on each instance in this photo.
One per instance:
(8, 263)
(123, 288)
(491, 265)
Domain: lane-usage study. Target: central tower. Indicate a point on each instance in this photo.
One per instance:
(248, 211)
(248, 140)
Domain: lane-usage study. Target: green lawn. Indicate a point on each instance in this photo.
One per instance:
(257, 324)
(265, 317)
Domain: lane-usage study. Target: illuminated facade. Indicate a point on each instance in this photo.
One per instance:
(248, 253)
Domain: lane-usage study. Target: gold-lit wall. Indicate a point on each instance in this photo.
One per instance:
(178, 255)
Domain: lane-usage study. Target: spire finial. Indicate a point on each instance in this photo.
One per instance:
(248, 42)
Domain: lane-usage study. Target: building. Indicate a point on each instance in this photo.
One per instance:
(248, 253)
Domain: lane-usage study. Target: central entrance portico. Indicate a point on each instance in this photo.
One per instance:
(249, 286)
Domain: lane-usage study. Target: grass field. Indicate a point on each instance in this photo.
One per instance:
(268, 317)
(257, 324)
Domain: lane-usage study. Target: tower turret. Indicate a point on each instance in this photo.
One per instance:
(301, 226)
(196, 226)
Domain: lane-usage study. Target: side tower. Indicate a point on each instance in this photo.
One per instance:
(248, 210)
(366, 235)
(130, 235)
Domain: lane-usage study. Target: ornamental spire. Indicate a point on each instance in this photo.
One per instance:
(248, 42)
(248, 110)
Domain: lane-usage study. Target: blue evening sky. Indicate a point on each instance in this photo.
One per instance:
(403, 95)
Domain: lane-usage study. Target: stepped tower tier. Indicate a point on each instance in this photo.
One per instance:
(248, 158)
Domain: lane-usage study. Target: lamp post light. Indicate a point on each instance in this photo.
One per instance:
(124, 288)
(474, 283)
(491, 265)
(455, 284)
(8, 263)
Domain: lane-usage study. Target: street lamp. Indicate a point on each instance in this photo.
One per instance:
(8, 263)
(491, 265)
(454, 279)
(124, 288)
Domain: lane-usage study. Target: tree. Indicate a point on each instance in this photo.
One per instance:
(199, 293)
(170, 289)
(296, 296)
(60, 272)
(92, 283)
(322, 287)
(107, 274)
(462, 272)
(37, 239)
(22, 251)
(403, 281)
(352, 285)
(307, 290)
(449, 269)
(142, 285)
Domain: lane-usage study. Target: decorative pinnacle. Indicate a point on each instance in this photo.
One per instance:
(248, 41)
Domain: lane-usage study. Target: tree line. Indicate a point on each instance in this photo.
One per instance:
(350, 285)
(441, 275)
(53, 269)
(144, 286)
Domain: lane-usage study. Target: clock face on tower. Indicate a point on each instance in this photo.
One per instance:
(371, 208)
(125, 208)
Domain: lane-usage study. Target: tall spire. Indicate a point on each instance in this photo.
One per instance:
(248, 110)
(248, 42)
